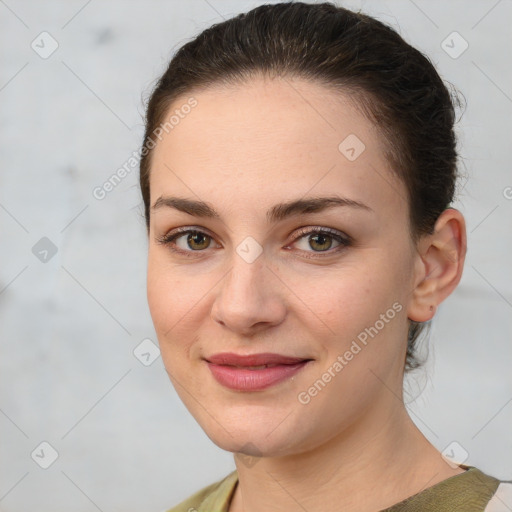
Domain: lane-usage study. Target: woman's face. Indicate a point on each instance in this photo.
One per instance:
(255, 277)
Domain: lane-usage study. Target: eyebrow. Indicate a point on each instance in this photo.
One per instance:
(277, 213)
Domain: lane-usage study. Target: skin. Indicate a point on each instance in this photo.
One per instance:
(244, 149)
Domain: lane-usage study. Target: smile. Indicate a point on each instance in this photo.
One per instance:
(251, 376)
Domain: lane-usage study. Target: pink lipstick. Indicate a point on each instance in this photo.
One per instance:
(253, 372)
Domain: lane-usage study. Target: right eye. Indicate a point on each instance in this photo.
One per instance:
(186, 241)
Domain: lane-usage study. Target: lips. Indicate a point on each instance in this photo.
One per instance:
(254, 372)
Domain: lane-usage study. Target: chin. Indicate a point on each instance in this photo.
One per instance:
(253, 438)
(252, 446)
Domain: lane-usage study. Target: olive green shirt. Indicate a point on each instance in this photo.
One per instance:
(471, 491)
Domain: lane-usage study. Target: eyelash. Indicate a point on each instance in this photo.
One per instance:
(344, 240)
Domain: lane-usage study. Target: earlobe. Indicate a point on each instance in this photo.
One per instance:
(439, 265)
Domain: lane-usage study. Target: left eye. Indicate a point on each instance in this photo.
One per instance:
(321, 240)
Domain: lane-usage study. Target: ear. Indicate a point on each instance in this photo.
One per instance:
(439, 265)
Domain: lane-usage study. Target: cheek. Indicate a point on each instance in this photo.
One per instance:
(362, 303)
(179, 302)
(170, 295)
(343, 301)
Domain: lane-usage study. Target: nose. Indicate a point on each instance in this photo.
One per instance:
(250, 298)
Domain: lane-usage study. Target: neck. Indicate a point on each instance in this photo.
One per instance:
(379, 461)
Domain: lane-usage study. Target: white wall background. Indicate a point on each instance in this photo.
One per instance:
(69, 325)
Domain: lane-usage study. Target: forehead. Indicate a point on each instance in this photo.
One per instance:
(272, 139)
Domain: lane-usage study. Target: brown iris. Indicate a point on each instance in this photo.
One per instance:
(202, 240)
(324, 240)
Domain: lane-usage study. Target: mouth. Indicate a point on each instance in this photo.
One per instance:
(254, 372)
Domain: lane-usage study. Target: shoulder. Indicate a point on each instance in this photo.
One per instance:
(471, 491)
(214, 497)
(501, 501)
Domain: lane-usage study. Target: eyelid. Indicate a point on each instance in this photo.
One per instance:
(182, 230)
(321, 229)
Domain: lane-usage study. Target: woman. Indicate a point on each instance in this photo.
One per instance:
(298, 167)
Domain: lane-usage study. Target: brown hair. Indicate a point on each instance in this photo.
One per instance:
(395, 85)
